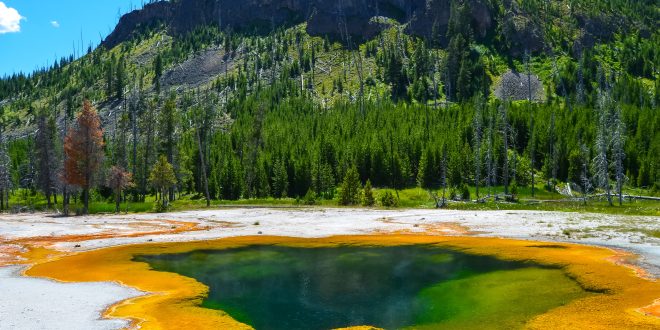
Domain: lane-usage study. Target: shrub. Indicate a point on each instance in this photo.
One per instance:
(514, 190)
(160, 207)
(453, 194)
(465, 193)
(368, 199)
(310, 198)
(388, 200)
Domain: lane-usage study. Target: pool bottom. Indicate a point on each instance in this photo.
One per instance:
(177, 299)
(285, 288)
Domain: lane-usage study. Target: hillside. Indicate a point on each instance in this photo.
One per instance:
(280, 98)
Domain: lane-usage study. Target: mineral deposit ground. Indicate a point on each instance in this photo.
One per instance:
(81, 272)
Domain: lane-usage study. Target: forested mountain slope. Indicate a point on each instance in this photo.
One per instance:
(283, 98)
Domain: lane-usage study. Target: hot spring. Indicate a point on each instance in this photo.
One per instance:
(421, 286)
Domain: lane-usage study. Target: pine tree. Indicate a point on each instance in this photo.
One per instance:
(83, 147)
(68, 115)
(323, 180)
(148, 121)
(120, 80)
(459, 64)
(368, 195)
(167, 130)
(350, 188)
(425, 170)
(162, 178)
(463, 81)
(46, 157)
(280, 179)
(395, 75)
(254, 146)
(158, 71)
(118, 180)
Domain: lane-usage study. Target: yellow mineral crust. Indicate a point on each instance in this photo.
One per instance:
(171, 301)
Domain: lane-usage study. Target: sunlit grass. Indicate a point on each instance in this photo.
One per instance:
(23, 200)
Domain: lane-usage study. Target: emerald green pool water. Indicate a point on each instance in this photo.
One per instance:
(278, 287)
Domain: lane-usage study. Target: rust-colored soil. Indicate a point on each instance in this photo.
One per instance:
(11, 249)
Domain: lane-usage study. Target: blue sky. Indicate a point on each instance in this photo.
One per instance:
(35, 32)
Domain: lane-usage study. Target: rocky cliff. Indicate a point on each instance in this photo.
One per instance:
(336, 18)
(341, 19)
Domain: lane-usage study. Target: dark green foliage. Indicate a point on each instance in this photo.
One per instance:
(394, 73)
(465, 192)
(263, 133)
(158, 71)
(46, 157)
(350, 188)
(368, 195)
(310, 198)
(120, 79)
(514, 190)
(388, 200)
(280, 179)
(464, 69)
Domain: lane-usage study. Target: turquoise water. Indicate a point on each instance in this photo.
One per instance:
(277, 287)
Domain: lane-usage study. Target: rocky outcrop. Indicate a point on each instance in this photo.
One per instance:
(353, 20)
(338, 19)
(154, 13)
(514, 86)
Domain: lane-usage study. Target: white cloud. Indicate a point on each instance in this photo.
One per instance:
(10, 19)
(55, 24)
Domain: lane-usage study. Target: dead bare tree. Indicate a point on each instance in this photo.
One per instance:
(444, 176)
(433, 73)
(504, 130)
(531, 147)
(203, 122)
(618, 152)
(477, 131)
(601, 162)
(553, 154)
(531, 120)
(529, 76)
(202, 163)
(68, 114)
(136, 102)
(149, 119)
(584, 176)
(5, 175)
(490, 163)
(579, 88)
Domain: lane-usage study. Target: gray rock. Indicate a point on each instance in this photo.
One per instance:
(513, 86)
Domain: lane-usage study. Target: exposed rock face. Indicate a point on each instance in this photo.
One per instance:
(514, 86)
(352, 20)
(200, 69)
(150, 14)
(521, 33)
(338, 19)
